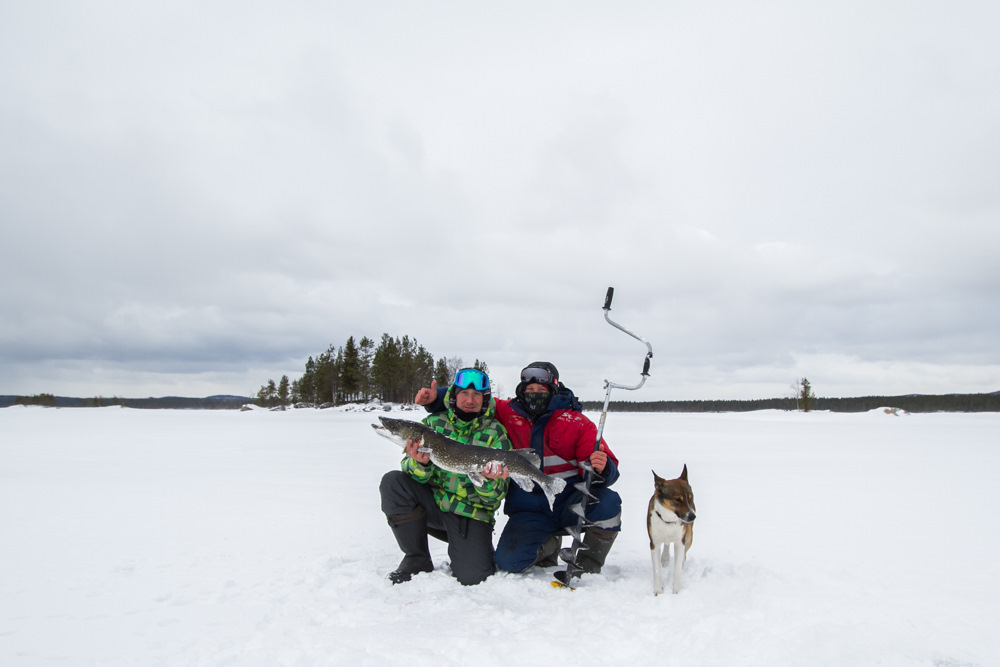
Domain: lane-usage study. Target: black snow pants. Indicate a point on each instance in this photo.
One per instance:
(470, 542)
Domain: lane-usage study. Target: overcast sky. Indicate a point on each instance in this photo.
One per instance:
(196, 196)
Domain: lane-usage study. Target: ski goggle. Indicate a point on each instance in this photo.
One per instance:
(539, 375)
(470, 377)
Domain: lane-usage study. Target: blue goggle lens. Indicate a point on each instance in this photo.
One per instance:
(470, 377)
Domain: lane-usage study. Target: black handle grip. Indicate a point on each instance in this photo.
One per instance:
(645, 367)
(607, 299)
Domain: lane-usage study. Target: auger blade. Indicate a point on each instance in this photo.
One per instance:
(575, 533)
(592, 478)
(584, 488)
(564, 578)
(568, 555)
(578, 509)
(569, 573)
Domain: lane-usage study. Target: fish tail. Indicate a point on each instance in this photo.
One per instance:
(552, 487)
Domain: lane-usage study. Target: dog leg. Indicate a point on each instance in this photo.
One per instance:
(680, 554)
(657, 580)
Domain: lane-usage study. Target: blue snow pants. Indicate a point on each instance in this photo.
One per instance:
(531, 522)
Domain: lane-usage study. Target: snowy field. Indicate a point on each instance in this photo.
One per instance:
(136, 538)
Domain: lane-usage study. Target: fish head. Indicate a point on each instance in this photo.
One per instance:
(403, 428)
(400, 427)
(389, 435)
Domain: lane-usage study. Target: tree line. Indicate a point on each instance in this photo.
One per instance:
(360, 371)
(908, 403)
(166, 402)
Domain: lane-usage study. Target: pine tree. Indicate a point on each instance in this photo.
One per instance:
(267, 395)
(386, 367)
(324, 382)
(366, 350)
(283, 391)
(806, 395)
(335, 377)
(423, 370)
(307, 383)
(441, 372)
(350, 372)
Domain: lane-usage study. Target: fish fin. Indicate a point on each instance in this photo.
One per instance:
(524, 482)
(530, 455)
(553, 488)
(423, 446)
(559, 483)
(476, 478)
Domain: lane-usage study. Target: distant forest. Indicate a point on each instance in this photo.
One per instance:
(165, 402)
(907, 403)
(361, 371)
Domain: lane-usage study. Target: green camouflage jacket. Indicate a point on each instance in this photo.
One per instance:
(454, 492)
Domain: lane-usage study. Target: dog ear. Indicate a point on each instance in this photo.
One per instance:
(656, 478)
(684, 473)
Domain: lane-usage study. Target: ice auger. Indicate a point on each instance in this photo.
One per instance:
(568, 555)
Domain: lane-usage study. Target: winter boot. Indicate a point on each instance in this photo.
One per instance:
(548, 551)
(598, 541)
(410, 531)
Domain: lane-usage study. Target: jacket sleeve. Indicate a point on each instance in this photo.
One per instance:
(492, 492)
(420, 473)
(610, 473)
(438, 404)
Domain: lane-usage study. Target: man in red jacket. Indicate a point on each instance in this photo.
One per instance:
(547, 417)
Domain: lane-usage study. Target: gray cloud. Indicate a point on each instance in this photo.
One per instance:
(196, 198)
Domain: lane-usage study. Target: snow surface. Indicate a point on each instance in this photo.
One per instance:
(162, 537)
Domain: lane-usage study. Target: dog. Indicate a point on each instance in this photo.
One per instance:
(670, 520)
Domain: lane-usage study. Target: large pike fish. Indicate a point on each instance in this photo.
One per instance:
(453, 456)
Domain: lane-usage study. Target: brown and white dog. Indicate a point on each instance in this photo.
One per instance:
(670, 520)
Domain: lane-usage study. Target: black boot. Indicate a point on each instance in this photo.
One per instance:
(598, 541)
(548, 551)
(410, 531)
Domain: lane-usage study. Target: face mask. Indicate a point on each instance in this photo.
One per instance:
(464, 416)
(537, 404)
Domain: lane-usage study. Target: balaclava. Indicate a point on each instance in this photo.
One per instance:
(538, 372)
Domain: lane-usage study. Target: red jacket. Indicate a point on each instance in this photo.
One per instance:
(568, 439)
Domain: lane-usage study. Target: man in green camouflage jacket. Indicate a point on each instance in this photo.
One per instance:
(422, 499)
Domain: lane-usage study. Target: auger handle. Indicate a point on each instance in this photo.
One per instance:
(565, 577)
